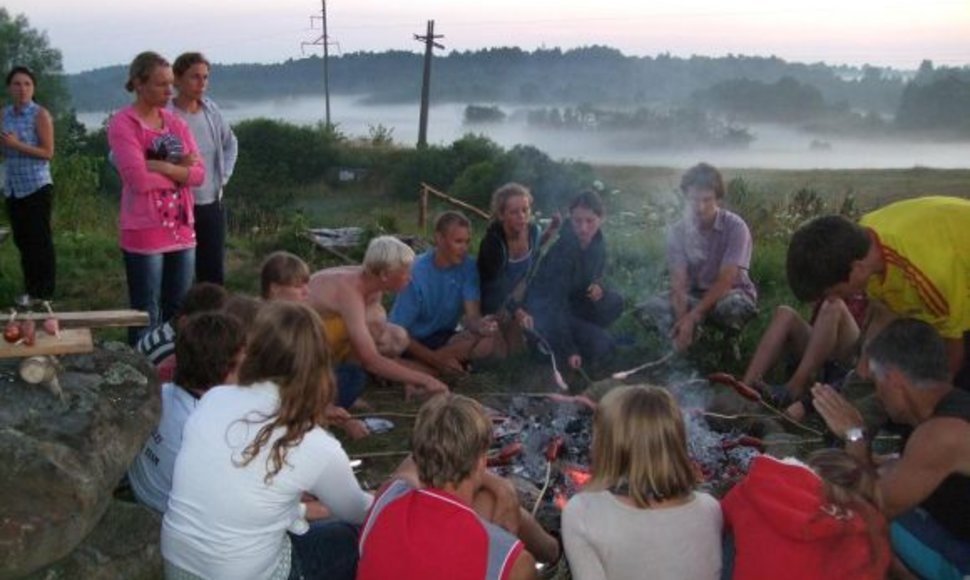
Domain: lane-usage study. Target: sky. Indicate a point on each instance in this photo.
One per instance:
(897, 33)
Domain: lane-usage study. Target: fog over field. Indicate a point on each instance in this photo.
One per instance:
(774, 147)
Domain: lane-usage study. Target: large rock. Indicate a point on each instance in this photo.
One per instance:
(61, 460)
(124, 545)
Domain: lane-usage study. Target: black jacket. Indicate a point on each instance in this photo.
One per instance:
(493, 257)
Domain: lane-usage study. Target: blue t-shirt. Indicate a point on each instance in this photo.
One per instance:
(435, 299)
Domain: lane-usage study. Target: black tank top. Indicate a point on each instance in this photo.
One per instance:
(950, 503)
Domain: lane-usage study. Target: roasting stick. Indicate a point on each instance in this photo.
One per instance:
(739, 417)
(654, 363)
(556, 375)
(545, 488)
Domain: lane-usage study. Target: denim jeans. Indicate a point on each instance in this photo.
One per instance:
(156, 284)
(328, 551)
(351, 379)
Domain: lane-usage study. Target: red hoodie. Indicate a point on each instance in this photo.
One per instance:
(784, 528)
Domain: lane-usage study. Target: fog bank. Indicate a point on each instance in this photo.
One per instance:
(775, 147)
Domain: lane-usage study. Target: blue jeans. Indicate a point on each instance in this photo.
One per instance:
(351, 379)
(328, 551)
(156, 284)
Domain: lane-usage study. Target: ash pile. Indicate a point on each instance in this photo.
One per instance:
(542, 444)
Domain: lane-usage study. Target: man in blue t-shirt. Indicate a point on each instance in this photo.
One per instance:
(444, 291)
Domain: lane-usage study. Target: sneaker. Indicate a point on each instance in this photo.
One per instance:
(23, 301)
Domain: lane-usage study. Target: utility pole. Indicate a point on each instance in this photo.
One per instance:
(325, 41)
(429, 45)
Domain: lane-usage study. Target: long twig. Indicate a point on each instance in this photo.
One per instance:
(385, 414)
(654, 363)
(737, 417)
(544, 344)
(372, 454)
(788, 417)
(545, 488)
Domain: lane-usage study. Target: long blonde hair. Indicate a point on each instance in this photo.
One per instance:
(286, 347)
(640, 446)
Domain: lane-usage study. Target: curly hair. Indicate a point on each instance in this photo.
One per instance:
(288, 349)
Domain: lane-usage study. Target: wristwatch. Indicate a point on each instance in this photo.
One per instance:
(855, 434)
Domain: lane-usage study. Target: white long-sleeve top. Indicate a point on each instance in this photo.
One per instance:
(223, 519)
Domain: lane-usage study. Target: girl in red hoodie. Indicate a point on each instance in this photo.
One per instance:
(800, 522)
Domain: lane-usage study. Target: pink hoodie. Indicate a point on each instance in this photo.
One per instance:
(143, 227)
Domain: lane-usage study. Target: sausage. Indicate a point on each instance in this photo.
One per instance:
(554, 448)
(739, 387)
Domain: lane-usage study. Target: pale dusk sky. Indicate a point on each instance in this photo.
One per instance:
(897, 33)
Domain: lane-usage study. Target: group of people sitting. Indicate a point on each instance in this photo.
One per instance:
(253, 484)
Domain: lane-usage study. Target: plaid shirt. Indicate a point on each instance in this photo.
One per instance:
(25, 174)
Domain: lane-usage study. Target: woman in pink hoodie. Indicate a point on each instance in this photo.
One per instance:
(158, 160)
(807, 522)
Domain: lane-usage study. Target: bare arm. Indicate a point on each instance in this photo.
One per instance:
(678, 291)
(353, 312)
(929, 457)
(44, 126)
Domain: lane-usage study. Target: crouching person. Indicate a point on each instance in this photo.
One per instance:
(434, 509)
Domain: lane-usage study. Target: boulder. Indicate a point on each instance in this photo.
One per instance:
(63, 459)
(125, 544)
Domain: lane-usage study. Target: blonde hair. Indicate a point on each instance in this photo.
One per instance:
(640, 442)
(283, 269)
(451, 434)
(851, 486)
(142, 67)
(385, 254)
(289, 350)
(503, 194)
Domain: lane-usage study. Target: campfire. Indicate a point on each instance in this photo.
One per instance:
(542, 443)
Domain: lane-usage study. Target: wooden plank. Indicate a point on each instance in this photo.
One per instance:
(72, 341)
(89, 319)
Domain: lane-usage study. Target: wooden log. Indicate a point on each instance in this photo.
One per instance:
(88, 319)
(72, 341)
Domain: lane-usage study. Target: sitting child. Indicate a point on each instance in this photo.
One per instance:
(432, 501)
(640, 516)
(814, 521)
(158, 345)
(568, 304)
(208, 348)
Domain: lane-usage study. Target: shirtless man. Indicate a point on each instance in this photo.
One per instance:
(344, 295)
(926, 492)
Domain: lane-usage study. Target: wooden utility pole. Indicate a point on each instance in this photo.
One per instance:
(429, 45)
(325, 41)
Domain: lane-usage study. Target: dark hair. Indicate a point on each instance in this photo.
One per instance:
(449, 218)
(206, 349)
(284, 269)
(187, 60)
(703, 176)
(590, 200)
(203, 297)
(142, 67)
(289, 350)
(912, 346)
(243, 307)
(20, 70)
(821, 253)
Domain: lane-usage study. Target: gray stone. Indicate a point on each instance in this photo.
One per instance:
(123, 546)
(62, 460)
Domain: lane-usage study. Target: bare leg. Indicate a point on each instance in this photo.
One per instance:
(833, 336)
(786, 332)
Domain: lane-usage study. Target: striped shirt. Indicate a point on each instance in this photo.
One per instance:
(25, 173)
